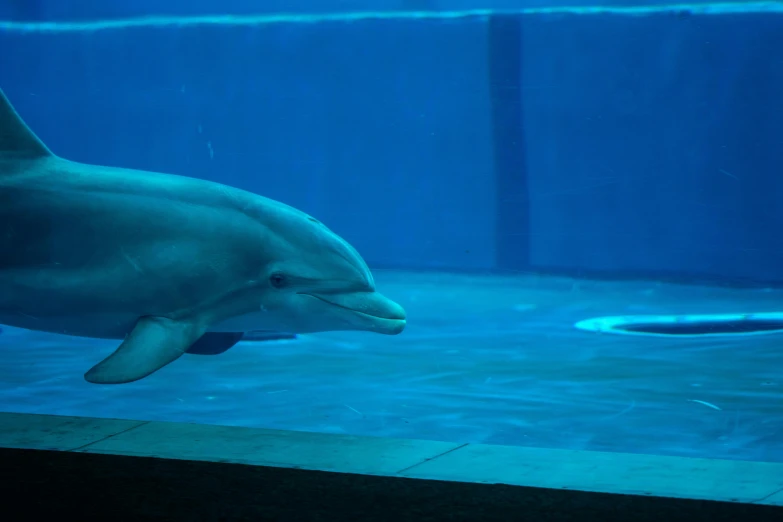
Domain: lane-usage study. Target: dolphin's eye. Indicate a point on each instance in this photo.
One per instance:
(277, 280)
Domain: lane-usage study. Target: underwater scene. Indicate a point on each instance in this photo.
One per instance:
(533, 223)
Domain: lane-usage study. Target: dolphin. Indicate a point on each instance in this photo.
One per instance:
(166, 264)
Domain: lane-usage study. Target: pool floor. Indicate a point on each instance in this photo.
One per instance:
(485, 359)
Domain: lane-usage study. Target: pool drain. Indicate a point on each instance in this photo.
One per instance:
(712, 325)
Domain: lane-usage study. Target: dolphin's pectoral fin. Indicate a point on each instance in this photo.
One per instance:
(152, 344)
(215, 343)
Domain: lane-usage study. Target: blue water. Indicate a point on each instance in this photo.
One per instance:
(505, 178)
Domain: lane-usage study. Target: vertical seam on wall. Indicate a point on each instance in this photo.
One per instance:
(512, 226)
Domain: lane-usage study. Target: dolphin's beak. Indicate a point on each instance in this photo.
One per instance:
(377, 312)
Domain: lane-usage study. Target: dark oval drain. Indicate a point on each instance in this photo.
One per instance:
(704, 327)
(687, 325)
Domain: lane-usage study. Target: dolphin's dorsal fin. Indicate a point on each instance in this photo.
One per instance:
(16, 138)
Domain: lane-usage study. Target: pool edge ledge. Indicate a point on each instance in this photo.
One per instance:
(529, 478)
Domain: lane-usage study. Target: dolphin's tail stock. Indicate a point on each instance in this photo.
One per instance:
(17, 141)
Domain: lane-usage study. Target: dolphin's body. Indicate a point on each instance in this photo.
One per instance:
(167, 263)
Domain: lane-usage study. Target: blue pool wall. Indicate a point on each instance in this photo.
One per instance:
(655, 144)
(583, 144)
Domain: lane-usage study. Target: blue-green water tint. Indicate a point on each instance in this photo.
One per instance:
(649, 185)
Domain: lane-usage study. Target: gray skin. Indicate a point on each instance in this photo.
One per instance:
(163, 261)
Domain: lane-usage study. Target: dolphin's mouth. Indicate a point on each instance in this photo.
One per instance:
(386, 315)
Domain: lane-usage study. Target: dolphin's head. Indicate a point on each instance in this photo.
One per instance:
(314, 281)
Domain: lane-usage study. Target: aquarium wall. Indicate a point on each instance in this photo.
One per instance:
(623, 142)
